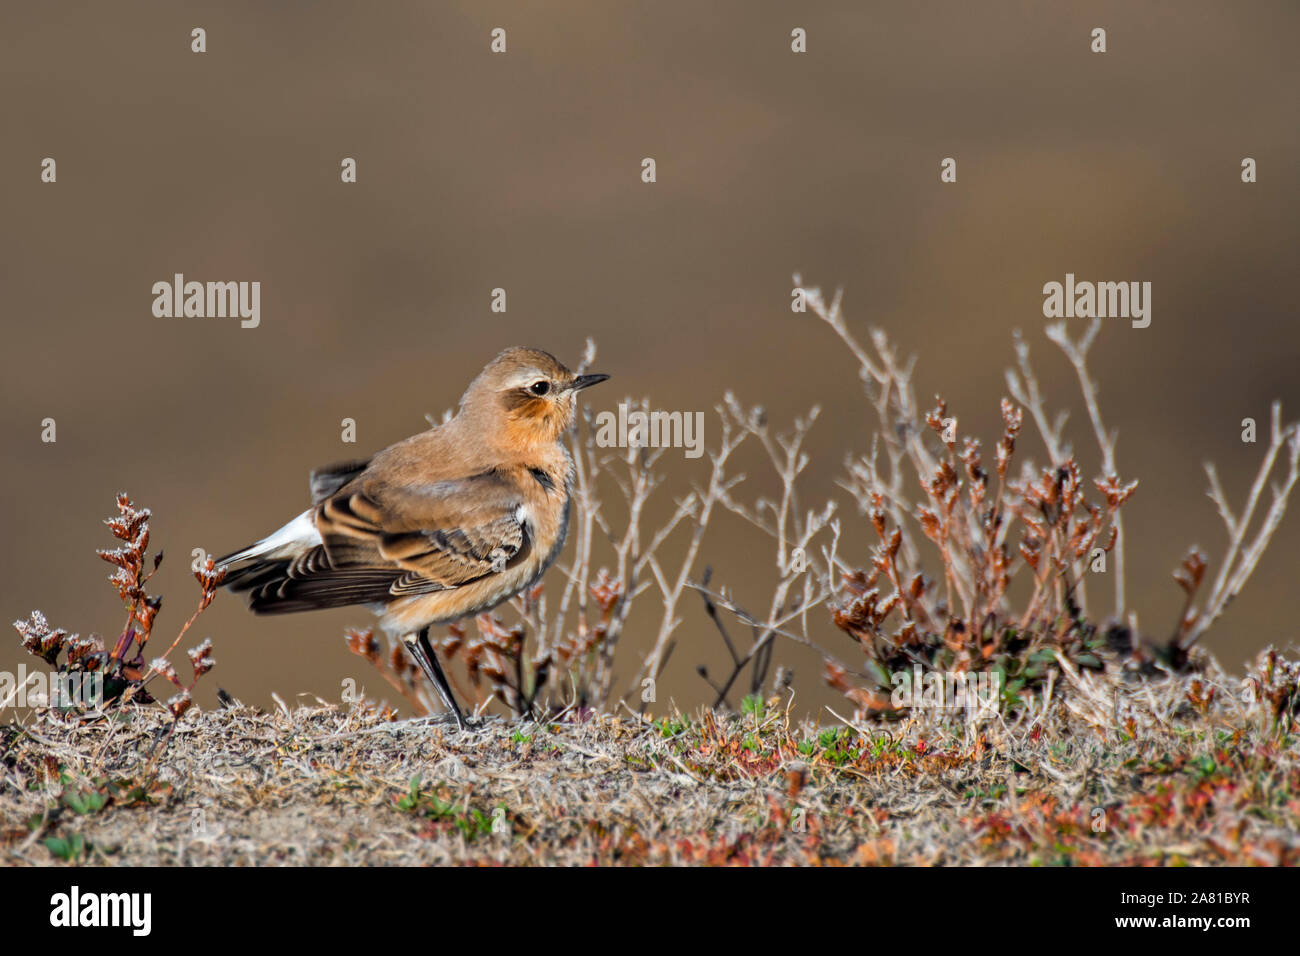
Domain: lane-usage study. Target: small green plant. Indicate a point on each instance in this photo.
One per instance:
(71, 848)
(670, 727)
(471, 822)
(828, 738)
(836, 746)
(85, 802)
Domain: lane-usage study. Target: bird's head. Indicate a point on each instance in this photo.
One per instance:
(527, 394)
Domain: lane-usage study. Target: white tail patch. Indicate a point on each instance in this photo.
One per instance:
(291, 540)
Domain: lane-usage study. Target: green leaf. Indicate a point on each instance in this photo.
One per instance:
(67, 848)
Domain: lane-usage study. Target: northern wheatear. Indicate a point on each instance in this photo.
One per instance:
(445, 524)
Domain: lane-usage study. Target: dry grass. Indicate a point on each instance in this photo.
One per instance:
(1199, 770)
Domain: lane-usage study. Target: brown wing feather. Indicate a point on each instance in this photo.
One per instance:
(448, 532)
(328, 480)
(381, 542)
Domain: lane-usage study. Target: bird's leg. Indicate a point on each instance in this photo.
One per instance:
(422, 651)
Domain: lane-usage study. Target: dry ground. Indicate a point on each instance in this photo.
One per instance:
(1115, 772)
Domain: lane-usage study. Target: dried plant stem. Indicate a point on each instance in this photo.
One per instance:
(1077, 353)
(1241, 559)
(793, 534)
(889, 386)
(705, 500)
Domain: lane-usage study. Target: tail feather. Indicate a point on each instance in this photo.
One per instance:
(280, 588)
(291, 570)
(256, 564)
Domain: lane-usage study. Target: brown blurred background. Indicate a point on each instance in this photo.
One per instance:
(523, 171)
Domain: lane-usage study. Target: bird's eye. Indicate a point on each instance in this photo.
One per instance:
(540, 388)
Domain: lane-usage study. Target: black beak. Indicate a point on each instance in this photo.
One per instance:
(586, 381)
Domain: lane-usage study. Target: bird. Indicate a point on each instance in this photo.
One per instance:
(448, 523)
